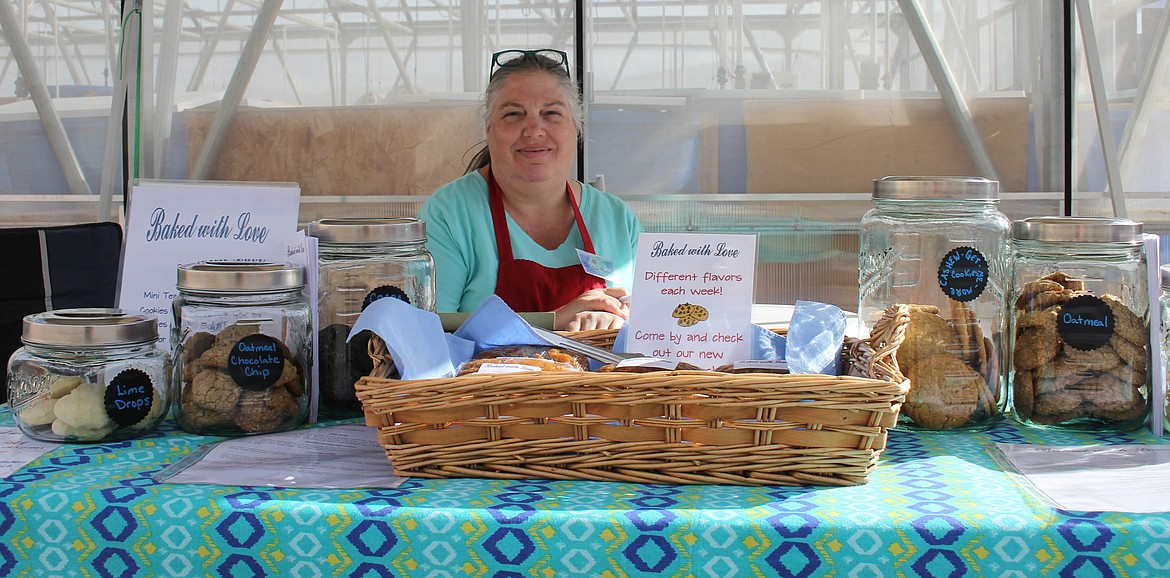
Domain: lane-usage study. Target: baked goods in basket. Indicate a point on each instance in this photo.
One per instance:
(537, 352)
(646, 365)
(506, 364)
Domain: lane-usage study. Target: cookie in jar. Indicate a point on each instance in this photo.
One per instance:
(242, 340)
(1080, 354)
(89, 375)
(938, 247)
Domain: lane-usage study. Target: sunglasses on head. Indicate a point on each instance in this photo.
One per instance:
(505, 57)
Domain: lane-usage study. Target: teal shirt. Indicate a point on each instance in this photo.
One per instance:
(462, 241)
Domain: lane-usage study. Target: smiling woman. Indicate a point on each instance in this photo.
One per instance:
(516, 192)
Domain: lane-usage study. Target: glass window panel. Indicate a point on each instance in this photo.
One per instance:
(1134, 57)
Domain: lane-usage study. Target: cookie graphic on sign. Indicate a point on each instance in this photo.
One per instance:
(689, 314)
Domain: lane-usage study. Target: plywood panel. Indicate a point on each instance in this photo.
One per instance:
(391, 150)
(842, 145)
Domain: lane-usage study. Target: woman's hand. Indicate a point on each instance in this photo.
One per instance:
(593, 309)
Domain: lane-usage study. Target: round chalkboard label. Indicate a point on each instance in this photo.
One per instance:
(962, 274)
(256, 362)
(1085, 322)
(383, 292)
(129, 397)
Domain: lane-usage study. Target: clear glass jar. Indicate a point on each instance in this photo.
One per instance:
(89, 375)
(1165, 299)
(359, 262)
(939, 244)
(243, 347)
(1080, 337)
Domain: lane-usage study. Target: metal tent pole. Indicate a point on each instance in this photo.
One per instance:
(947, 89)
(50, 120)
(209, 50)
(168, 60)
(234, 93)
(1154, 76)
(1101, 106)
(384, 27)
(112, 160)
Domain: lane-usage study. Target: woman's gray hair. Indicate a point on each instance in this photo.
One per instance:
(527, 63)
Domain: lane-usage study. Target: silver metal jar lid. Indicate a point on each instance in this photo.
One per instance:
(1078, 230)
(239, 277)
(89, 327)
(361, 230)
(936, 189)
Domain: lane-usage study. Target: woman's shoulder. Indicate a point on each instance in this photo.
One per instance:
(463, 193)
(467, 184)
(596, 200)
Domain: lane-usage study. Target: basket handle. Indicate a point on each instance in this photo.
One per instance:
(874, 357)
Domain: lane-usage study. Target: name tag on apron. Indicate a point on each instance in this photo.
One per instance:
(596, 265)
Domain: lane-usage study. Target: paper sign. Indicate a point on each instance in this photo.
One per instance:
(1158, 375)
(16, 450)
(172, 223)
(694, 297)
(301, 249)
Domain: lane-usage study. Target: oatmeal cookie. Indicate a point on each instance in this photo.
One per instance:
(266, 410)
(198, 418)
(927, 335)
(945, 393)
(1103, 358)
(1126, 323)
(215, 390)
(1023, 392)
(1065, 281)
(1035, 347)
(1030, 298)
(217, 355)
(290, 379)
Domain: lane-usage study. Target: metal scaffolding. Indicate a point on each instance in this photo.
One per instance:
(947, 46)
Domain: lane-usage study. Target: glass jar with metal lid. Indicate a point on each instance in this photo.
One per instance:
(359, 262)
(242, 339)
(939, 246)
(89, 375)
(1080, 337)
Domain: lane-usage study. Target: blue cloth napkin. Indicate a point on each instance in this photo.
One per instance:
(494, 324)
(815, 338)
(414, 338)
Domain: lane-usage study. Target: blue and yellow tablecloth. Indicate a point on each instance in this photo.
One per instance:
(937, 506)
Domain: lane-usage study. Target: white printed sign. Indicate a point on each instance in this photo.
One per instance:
(692, 297)
(172, 223)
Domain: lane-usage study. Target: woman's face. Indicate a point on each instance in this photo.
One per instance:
(530, 130)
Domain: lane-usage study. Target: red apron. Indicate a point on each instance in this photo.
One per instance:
(527, 285)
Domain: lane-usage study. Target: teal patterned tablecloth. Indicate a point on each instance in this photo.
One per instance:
(937, 506)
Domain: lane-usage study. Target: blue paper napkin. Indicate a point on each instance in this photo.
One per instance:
(815, 338)
(494, 324)
(414, 338)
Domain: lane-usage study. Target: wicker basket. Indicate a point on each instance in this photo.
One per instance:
(698, 427)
